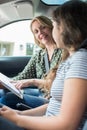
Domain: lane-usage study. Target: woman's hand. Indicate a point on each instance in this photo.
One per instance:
(22, 83)
(19, 84)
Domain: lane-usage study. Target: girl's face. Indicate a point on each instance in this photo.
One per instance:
(42, 33)
(57, 34)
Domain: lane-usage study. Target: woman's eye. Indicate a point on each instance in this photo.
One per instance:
(36, 31)
(43, 27)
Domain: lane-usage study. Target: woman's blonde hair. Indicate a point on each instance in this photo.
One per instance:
(44, 21)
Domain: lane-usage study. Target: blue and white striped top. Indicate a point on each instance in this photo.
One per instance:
(74, 67)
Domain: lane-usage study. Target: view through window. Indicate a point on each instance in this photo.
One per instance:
(16, 39)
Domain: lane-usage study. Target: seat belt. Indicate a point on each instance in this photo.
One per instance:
(46, 63)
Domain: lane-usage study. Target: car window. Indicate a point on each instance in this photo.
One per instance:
(16, 39)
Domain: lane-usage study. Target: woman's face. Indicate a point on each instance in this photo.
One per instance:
(42, 33)
(57, 34)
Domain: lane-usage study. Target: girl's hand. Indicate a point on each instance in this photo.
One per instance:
(9, 113)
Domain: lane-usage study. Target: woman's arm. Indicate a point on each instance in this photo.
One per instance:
(29, 71)
(1, 86)
(29, 82)
(46, 82)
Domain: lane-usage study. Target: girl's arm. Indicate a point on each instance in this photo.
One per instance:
(38, 111)
(73, 106)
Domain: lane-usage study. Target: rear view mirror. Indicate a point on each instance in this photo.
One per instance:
(54, 2)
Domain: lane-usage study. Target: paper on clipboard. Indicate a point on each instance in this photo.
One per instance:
(5, 81)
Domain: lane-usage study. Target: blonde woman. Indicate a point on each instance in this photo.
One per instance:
(41, 28)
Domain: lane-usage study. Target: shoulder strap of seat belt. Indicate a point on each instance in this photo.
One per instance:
(46, 62)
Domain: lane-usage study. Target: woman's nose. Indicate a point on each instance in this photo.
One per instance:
(40, 31)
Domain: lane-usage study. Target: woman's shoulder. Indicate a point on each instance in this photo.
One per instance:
(39, 54)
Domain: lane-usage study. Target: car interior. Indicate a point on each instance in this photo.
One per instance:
(14, 11)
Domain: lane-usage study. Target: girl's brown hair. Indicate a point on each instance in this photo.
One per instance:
(73, 16)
